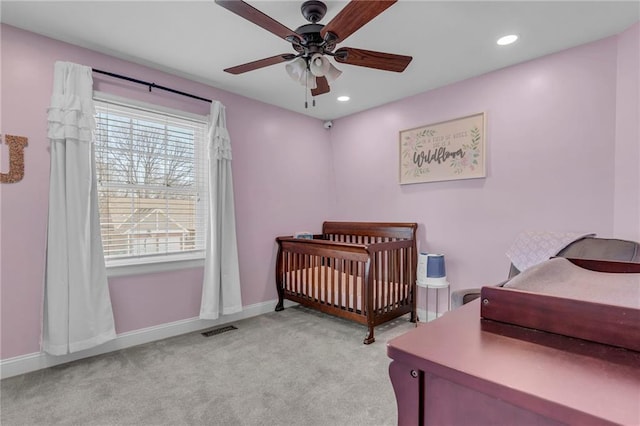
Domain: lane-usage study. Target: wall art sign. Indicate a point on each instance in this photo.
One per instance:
(448, 150)
(16, 159)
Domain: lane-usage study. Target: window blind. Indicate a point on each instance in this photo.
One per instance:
(152, 182)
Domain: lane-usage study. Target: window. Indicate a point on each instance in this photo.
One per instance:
(151, 173)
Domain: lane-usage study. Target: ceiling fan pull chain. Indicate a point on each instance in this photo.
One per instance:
(306, 88)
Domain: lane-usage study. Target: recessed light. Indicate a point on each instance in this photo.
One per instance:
(343, 98)
(508, 39)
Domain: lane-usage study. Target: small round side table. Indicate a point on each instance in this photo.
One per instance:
(437, 284)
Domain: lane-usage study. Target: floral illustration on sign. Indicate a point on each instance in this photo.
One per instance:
(471, 154)
(412, 143)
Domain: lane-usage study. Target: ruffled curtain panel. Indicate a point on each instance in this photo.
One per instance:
(77, 305)
(221, 286)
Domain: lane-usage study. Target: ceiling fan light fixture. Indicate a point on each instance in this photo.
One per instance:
(333, 73)
(319, 65)
(297, 70)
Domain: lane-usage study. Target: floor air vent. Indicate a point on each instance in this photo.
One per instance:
(219, 331)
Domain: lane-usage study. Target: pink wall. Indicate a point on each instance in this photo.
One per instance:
(280, 179)
(551, 129)
(556, 130)
(627, 160)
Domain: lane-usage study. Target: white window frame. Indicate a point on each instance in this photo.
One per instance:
(163, 262)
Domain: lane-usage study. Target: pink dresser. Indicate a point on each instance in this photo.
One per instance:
(464, 370)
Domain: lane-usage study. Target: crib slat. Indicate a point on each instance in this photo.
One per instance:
(393, 296)
(290, 269)
(374, 277)
(317, 281)
(387, 272)
(328, 294)
(308, 291)
(312, 276)
(380, 285)
(357, 283)
(363, 283)
(345, 284)
(338, 277)
(307, 281)
(400, 286)
(299, 273)
(327, 280)
(294, 272)
(381, 272)
(387, 281)
(347, 290)
(287, 270)
(320, 276)
(340, 283)
(405, 278)
(393, 290)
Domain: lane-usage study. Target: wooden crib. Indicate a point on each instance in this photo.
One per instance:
(362, 271)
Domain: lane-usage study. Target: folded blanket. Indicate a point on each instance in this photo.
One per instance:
(533, 247)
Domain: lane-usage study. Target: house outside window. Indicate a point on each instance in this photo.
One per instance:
(152, 182)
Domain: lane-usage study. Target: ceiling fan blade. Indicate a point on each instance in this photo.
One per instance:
(322, 86)
(371, 59)
(261, 63)
(252, 14)
(353, 16)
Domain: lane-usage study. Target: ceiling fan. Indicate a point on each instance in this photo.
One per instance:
(313, 42)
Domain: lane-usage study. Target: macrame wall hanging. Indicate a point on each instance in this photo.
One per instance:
(16, 159)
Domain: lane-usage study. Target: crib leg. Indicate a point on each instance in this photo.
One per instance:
(369, 339)
(414, 317)
(279, 278)
(280, 305)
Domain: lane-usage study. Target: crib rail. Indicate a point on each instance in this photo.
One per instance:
(393, 230)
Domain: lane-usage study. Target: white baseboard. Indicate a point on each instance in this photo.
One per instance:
(35, 361)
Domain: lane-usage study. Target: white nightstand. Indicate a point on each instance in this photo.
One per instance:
(437, 284)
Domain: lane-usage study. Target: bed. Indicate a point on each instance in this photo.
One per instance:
(361, 271)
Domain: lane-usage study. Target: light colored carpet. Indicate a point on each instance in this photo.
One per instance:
(295, 367)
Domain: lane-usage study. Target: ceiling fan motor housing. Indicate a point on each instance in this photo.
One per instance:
(311, 41)
(313, 10)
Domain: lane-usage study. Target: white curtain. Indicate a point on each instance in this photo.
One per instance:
(221, 286)
(77, 306)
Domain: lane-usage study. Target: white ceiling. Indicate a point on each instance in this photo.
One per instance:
(449, 41)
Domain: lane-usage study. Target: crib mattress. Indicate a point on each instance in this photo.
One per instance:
(331, 286)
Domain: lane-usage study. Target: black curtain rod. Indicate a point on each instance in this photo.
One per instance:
(151, 85)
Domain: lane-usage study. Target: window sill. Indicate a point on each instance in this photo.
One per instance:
(149, 267)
